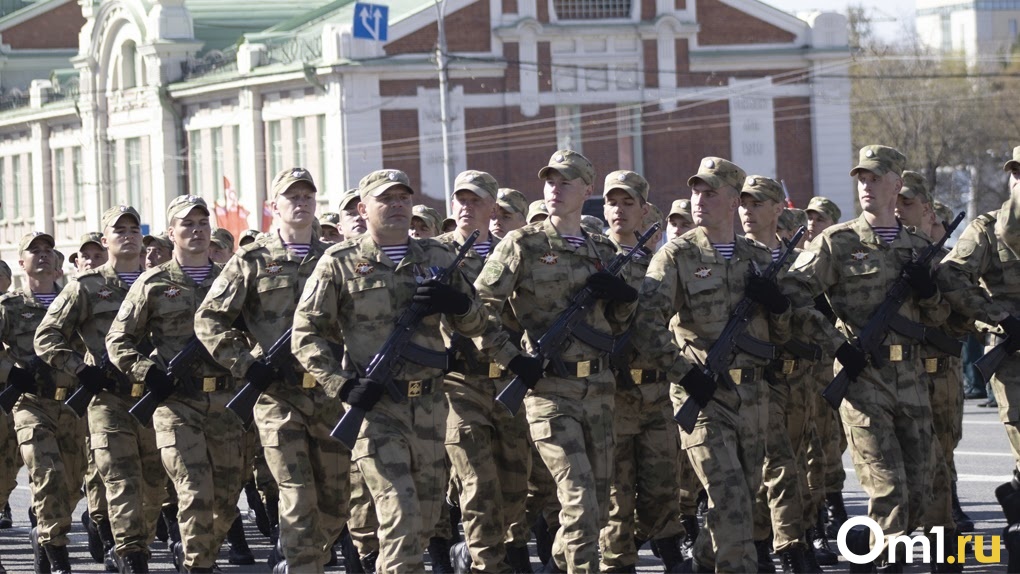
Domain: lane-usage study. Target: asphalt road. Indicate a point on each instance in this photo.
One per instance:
(983, 462)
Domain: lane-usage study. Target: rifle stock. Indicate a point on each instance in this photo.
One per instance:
(179, 368)
(988, 363)
(79, 400)
(243, 403)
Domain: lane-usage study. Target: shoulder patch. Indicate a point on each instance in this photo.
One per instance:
(126, 308)
(219, 287)
(491, 273)
(804, 258)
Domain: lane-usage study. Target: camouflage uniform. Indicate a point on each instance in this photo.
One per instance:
(200, 441)
(261, 283)
(124, 451)
(350, 302)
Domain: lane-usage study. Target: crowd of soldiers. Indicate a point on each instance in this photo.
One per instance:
(594, 466)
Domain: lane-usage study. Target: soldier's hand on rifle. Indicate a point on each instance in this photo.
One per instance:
(93, 378)
(766, 293)
(699, 386)
(529, 369)
(919, 278)
(260, 375)
(605, 285)
(361, 393)
(853, 359)
(1011, 327)
(442, 298)
(157, 381)
(22, 380)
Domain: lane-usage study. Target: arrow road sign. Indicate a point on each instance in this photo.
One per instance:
(371, 21)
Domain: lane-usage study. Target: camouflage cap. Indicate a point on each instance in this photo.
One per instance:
(111, 215)
(430, 216)
(537, 208)
(183, 204)
(59, 257)
(161, 240)
(512, 200)
(377, 182)
(5, 269)
(1015, 161)
(915, 185)
(592, 224)
(288, 177)
(629, 181)
(448, 222)
(654, 215)
(942, 212)
(763, 188)
(248, 236)
(330, 219)
(825, 206)
(880, 160)
(90, 237)
(349, 196)
(791, 219)
(478, 182)
(718, 173)
(682, 207)
(223, 238)
(570, 165)
(28, 238)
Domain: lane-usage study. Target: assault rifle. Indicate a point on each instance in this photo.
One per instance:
(277, 358)
(10, 395)
(178, 369)
(551, 344)
(871, 336)
(988, 363)
(395, 350)
(733, 336)
(80, 398)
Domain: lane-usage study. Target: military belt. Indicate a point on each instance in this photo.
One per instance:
(486, 370)
(897, 353)
(579, 369)
(748, 375)
(647, 376)
(416, 388)
(935, 365)
(125, 388)
(787, 366)
(212, 384)
(51, 392)
(308, 381)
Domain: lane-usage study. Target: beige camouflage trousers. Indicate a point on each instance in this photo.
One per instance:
(52, 442)
(312, 471)
(10, 458)
(200, 443)
(363, 523)
(95, 490)
(1006, 388)
(491, 460)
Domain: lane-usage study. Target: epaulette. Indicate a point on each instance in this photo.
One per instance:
(259, 243)
(86, 273)
(988, 218)
(754, 243)
(840, 227)
(9, 296)
(344, 245)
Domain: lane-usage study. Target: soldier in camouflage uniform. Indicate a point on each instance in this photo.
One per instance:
(425, 222)
(352, 223)
(533, 273)
(350, 302)
(680, 220)
(644, 497)
(199, 439)
(10, 460)
(537, 211)
(699, 278)
(511, 207)
(124, 451)
(886, 412)
(330, 223)
(487, 446)
(49, 433)
(294, 417)
(157, 250)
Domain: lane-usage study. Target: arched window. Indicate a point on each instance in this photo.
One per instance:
(128, 65)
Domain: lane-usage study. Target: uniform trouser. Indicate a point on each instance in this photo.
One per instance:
(827, 452)
(946, 389)
(887, 418)
(778, 504)
(571, 422)
(541, 500)
(95, 490)
(128, 462)
(644, 499)
(10, 459)
(312, 471)
(52, 445)
(402, 458)
(363, 524)
(491, 459)
(687, 480)
(1006, 388)
(443, 529)
(200, 442)
(727, 450)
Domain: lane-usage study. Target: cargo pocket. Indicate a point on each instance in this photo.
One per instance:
(165, 439)
(696, 437)
(540, 430)
(363, 447)
(452, 435)
(25, 435)
(865, 440)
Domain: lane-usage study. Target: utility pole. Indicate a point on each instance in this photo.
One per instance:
(444, 104)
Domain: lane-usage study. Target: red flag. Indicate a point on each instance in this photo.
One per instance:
(789, 201)
(267, 216)
(230, 215)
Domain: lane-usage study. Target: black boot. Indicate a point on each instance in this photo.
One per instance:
(439, 552)
(460, 558)
(368, 561)
(702, 502)
(810, 560)
(837, 513)
(963, 522)
(276, 554)
(793, 560)
(352, 562)
(858, 541)
(31, 517)
(106, 535)
(281, 568)
(670, 553)
(169, 516)
(96, 549)
(1011, 536)
(40, 561)
(134, 563)
(518, 559)
(941, 564)
(258, 508)
(240, 554)
(177, 555)
(764, 549)
(820, 549)
(543, 540)
(273, 513)
(60, 562)
(6, 520)
(692, 527)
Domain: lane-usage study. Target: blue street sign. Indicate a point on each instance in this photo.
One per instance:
(371, 21)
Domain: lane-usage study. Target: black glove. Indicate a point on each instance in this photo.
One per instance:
(442, 298)
(260, 375)
(920, 280)
(853, 359)
(22, 380)
(1011, 326)
(94, 379)
(699, 386)
(767, 293)
(528, 368)
(362, 393)
(157, 381)
(605, 285)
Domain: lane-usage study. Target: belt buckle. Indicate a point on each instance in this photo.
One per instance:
(637, 375)
(583, 369)
(895, 353)
(736, 375)
(60, 393)
(307, 381)
(931, 365)
(495, 371)
(789, 365)
(209, 384)
(137, 390)
(414, 388)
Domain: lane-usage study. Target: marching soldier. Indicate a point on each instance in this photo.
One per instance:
(350, 302)
(158, 249)
(90, 253)
(537, 211)
(511, 207)
(199, 439)
(261, 284)
(425, 222)
(822, 214)
(680, 220)
(10, 460)
(352, 223)
(221, 245)
(330, 223)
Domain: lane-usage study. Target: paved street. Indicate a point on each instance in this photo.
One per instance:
(983, 462)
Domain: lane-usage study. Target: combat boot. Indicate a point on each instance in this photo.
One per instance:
(134, 563)
(692, 527)
(963, 522)
(95, 543)
(352, 562)
(1008, 496)
(810, 560)
(460, 558)
(1011, 536)
(273, 513)
(258, 508)
(177, 555)
(275, 555)
(669, 552)
(368, 561)
(941, 564)
(518, 558)
(40, 561)
(173, 530)
(837, 513)
(240, 554)
(792, 560)
(764, 550)
(820, 548)
(281, 567)
(858, 541)
(6, 520)
(106, 535)
(60, 562)
(543, 539)
(439, 552)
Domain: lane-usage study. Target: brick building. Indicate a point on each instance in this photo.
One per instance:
(165, 97)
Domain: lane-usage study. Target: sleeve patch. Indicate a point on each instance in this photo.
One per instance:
(803, 260)
(126, 309)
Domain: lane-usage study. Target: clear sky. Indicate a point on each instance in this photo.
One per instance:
(891, 17)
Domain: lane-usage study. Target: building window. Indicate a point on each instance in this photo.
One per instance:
(133, 158)
(128, 57)
(3, 188)
(237, 158)
(275, 148)
(16, 191)
(591, 9)
(195, 167)
(300, 143)
(217, 148)
(323, 170)
(79, 188)
(59, 182)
